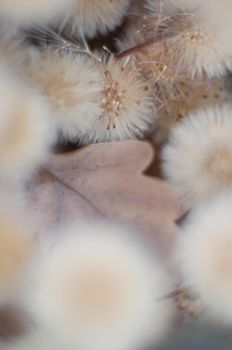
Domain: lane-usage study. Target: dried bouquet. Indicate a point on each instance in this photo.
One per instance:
(115, 172)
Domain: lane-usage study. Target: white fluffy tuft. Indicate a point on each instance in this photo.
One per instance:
(198, 158)
(16, 250)
(31, 12)
(35, 340)
(204, 253)
(127, 106)
(91, 101)
(200, 34)
(91, 17)
(72, 87)
(97, 288)
(25, 133)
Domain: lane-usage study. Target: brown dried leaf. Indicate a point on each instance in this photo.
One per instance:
(105, 180)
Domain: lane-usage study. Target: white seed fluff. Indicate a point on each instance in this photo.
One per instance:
(33, 12)
(197, 161)
(199, 39)
(98, 289)
(34, 340)
(16, 250)
(127, 108)
(25, 133)
(91, 17)
(204, 255)
(73, 88)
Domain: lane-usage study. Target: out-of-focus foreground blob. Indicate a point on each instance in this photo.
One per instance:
(98, 288)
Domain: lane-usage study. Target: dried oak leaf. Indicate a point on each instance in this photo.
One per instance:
(105, 180)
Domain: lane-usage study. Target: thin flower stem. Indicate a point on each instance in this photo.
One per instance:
(175, 293)
(137, 48)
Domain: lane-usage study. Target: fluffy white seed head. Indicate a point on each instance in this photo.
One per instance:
(16, 248)
(34, 340)
(197, 39)
(197, 161)
(91, 101)
(204, 254)
(127, 109)
(72, 87)
(12, 46)
(27, 13)
(97, 288)
(90, 17)
(25, 133)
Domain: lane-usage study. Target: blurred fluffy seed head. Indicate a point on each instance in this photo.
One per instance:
(204, 255)
(98, 289)
(197, 40)
(127, 109)
(197, 160)
(11, 46)
(33, 12)
(91, 17)
(34, 340)
(25, 133)
(72, 87)
(16, 246)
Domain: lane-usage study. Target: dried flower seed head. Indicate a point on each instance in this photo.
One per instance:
(16, 246)
(33, 12)
(72, 86)
(34, 340)
(204, 255)
(197, 160)
(174, 93)
(198, 42)
(127, 109)
(91, 17)
(25, 133)
(193, 95)
(12, 46)
(99, 289)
